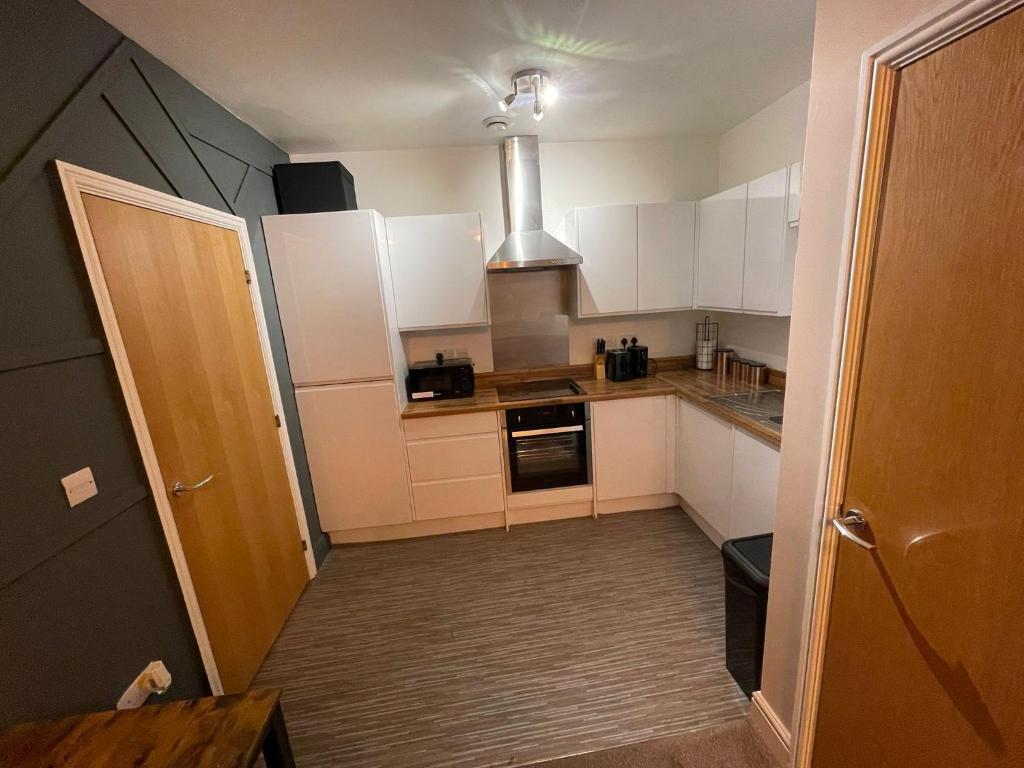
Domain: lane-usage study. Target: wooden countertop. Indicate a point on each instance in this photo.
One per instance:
(689, 384)
(698, 387)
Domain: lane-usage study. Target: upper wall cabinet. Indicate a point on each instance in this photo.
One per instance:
(721, 232)
(636, 258)
(762, 255)
(438, 270)
(606, 239)
(666, 247)
(747, 245)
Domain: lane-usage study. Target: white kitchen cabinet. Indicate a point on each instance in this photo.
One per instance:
(327, 281)
(704, 458)
(455, 463)
(606, 239)
(630, 454)
(720, 242)
(755, 483)
(356, 450)
(438, 270)
(666, 246)
(765, 230)
(793, 198)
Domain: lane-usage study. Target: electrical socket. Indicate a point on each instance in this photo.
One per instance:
(155, 678)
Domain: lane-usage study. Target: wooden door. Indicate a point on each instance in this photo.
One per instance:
(762, 252)
(923, 659)
(183, 308)
(607, 243)
(665, 255)
(720, 236)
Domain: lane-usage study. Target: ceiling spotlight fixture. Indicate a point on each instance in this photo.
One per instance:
(531, 85)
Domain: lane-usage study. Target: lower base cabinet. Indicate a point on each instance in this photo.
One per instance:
(630, 447)
(755, 484)
(354, 442)
(455, 465)
(727, 476)
(704, 457)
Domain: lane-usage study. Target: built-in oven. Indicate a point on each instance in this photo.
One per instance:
(548, 446)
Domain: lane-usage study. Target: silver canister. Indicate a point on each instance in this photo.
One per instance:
(757, 375)
(740, 370)
(723, 360)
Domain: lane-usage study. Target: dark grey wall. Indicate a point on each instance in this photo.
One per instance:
(88, 595)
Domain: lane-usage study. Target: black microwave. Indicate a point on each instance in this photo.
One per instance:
(440, 379)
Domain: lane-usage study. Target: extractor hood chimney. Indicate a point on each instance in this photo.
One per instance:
(526, 245)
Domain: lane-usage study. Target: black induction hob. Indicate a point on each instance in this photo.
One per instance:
(538, 390)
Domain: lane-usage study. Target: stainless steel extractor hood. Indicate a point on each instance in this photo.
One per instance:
(527, 245)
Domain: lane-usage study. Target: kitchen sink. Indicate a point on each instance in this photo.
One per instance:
(764, 406)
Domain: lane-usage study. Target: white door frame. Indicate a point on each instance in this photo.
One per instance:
(949, 22)
(78, 181)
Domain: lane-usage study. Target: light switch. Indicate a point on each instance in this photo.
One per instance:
(79, 486)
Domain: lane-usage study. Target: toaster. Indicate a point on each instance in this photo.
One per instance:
(617, 365)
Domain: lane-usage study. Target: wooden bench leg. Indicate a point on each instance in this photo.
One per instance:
(277, 750)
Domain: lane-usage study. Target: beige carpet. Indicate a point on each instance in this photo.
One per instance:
(727, 746)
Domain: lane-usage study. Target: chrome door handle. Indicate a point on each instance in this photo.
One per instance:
(853, 520)
(179, 487)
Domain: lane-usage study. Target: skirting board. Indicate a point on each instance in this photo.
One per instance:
(704, 525)
(552, 512)
(637, 503)
(419, 528)
(770, 730)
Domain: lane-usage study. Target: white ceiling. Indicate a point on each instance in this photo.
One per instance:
(333, 75)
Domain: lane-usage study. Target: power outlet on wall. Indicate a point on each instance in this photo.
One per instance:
(155, 678)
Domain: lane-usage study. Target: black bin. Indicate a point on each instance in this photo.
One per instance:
(747, 563)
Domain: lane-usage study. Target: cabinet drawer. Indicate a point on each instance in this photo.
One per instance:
(450, 426)
(457, 498)
(452, 457)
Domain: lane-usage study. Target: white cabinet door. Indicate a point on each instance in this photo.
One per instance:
(327, 282)
(437, 266)
(755, 483)
(606, 239)
(721, 227)
(665, 255)
(629, 447)
(766, 226)
(793, 199)
(356, 453)
(704, 454)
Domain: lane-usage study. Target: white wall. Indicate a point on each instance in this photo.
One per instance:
(843, 30)
(764, 142)
(462, 179)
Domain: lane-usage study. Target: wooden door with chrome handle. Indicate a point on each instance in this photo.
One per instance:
(184, 312)
(924, 652)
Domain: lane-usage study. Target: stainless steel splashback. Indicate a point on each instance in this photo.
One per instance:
(529, 318)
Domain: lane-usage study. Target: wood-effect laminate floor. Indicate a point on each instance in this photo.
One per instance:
(494, 649)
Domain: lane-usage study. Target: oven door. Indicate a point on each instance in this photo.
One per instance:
(553, 457)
